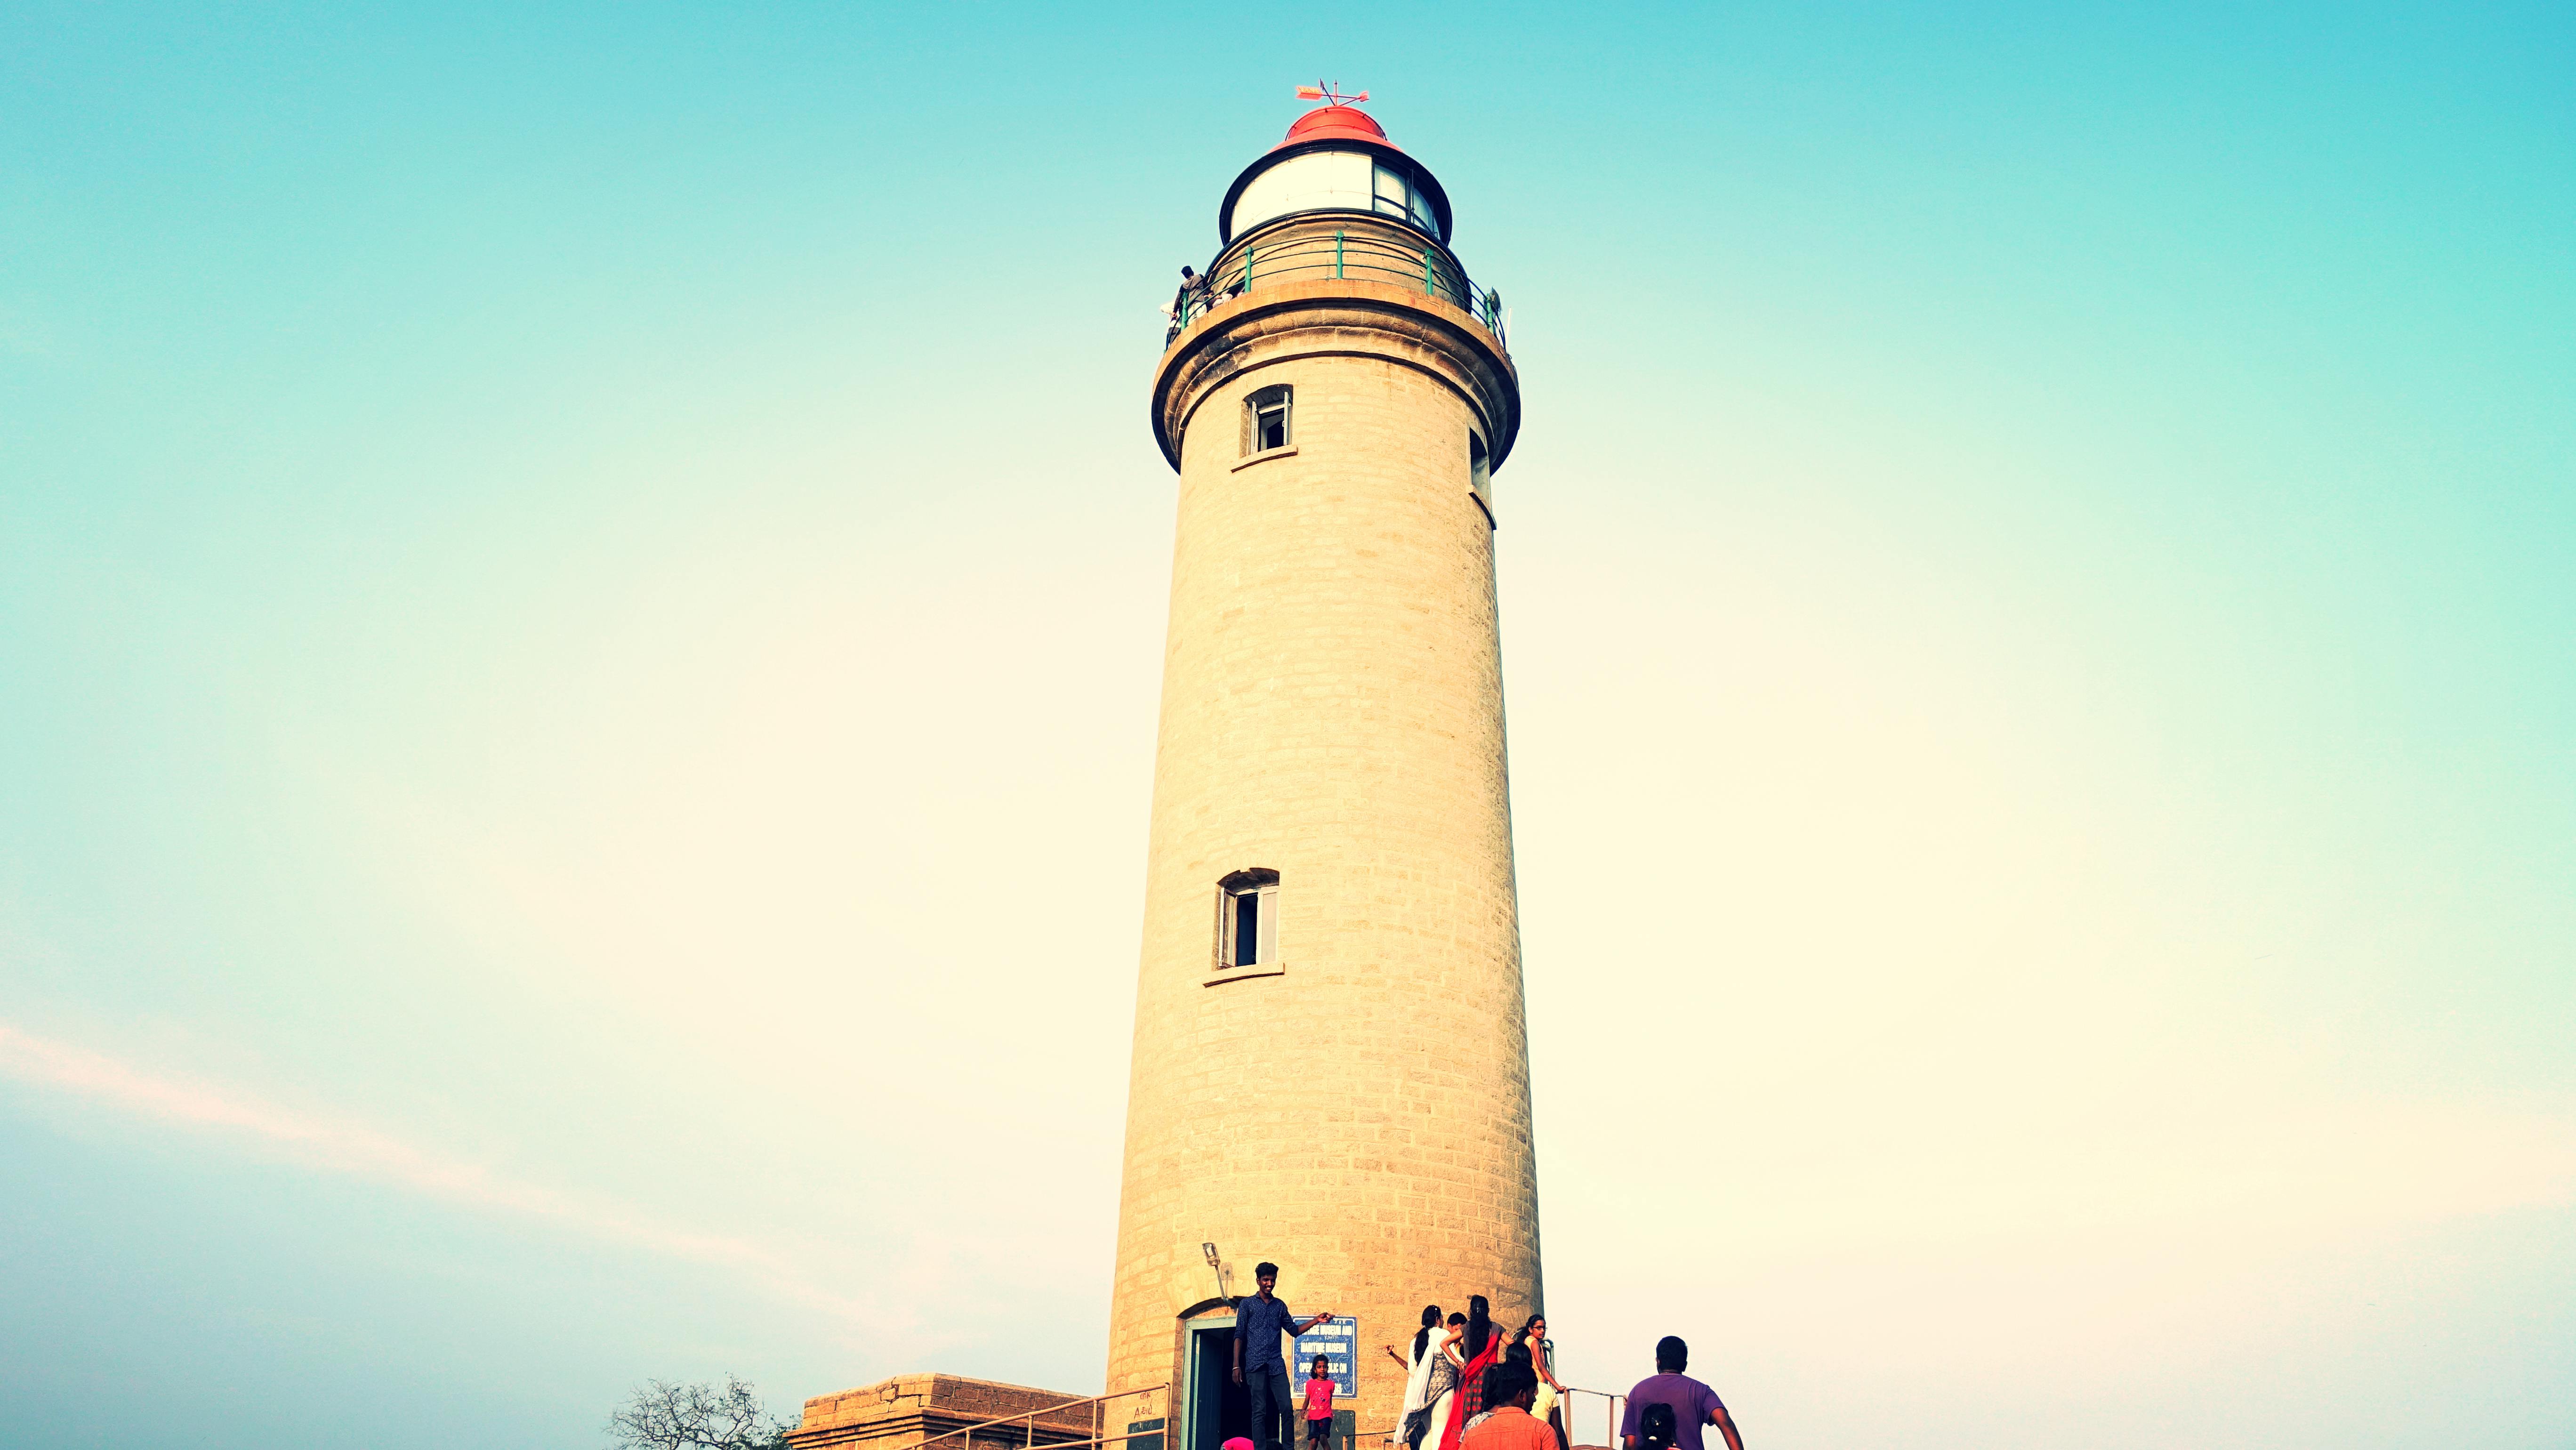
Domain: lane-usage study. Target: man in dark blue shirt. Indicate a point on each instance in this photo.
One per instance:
(1258, 1323)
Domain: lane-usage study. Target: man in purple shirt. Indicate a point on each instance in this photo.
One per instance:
(1693, 1404)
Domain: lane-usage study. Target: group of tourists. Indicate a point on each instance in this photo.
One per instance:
(1461, 1372)
(1468, 1385)
(1468, 1388)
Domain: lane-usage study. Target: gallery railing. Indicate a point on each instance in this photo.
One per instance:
(1611, 1406)
(1341, 256)
(1100, 1434)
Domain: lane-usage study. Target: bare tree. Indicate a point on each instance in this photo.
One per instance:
(665, 1416)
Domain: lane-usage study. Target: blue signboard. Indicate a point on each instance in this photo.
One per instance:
(1338, 1341)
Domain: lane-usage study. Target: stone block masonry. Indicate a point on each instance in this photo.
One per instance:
(1332, 711)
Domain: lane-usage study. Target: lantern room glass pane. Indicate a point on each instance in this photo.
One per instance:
(1313, 182)
(1390, 190)
(1394, 193)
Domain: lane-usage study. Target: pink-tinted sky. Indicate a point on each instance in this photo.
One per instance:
(580, 597)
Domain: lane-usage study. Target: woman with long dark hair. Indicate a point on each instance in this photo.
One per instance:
(1440, 1391)
(1533, 1336)
(1516, 1356)
(1482, 1350)
(1417, 1378)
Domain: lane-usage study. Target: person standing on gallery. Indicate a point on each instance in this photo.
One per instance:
(1693, 1404)
(1258, 1322)
(1481, 1351)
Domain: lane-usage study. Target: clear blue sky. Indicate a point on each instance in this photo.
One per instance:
(580, 598)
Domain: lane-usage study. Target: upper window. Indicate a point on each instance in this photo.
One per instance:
(1247, 919)
(1265, 420)
(1480, 477)
(1391, 190)
(1398, 194)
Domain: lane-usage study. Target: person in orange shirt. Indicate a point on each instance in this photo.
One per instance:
(1507, 1424)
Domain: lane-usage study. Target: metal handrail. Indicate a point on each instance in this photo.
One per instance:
(1121, 1438)
(1363, 257)
(1032, 1417)
(1610, 1430)
(1343, 256)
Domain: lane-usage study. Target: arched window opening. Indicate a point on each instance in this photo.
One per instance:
(1247, 919)
(1265, 420)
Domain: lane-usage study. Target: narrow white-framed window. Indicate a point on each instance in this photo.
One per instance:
(1480, 477)
(1247, 919)
(1391, 192)
(1265, 419)
(1398, 193)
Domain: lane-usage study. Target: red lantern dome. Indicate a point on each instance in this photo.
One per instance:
(1336, 123)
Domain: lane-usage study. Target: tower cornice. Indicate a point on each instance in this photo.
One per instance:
(1333, 317)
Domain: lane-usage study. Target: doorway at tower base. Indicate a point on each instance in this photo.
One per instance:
(911, 1410)
(1211, 1408)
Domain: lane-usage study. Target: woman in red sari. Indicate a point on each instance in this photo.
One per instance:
(1482, 1349)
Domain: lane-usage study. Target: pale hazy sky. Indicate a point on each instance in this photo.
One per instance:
(580, 601)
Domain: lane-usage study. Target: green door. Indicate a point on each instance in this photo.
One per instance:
(1218, 1408)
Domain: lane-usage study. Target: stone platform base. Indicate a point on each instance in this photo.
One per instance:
(909, 1410)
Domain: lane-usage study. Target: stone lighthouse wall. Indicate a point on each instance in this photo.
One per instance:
(1332, 711)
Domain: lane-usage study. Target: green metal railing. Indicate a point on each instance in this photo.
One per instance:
(1361, 257)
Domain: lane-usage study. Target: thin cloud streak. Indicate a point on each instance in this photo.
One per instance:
(361, 1152)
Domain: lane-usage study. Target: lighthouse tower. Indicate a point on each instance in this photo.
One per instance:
(1331, 1068)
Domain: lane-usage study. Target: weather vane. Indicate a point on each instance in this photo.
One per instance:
(1325, 91)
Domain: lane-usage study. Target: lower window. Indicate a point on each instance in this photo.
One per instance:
(1247, 919)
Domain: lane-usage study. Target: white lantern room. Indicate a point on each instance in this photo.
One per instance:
(1335, 159)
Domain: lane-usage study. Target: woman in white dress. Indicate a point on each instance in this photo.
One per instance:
(1417, 1377)
(1440, 1390)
